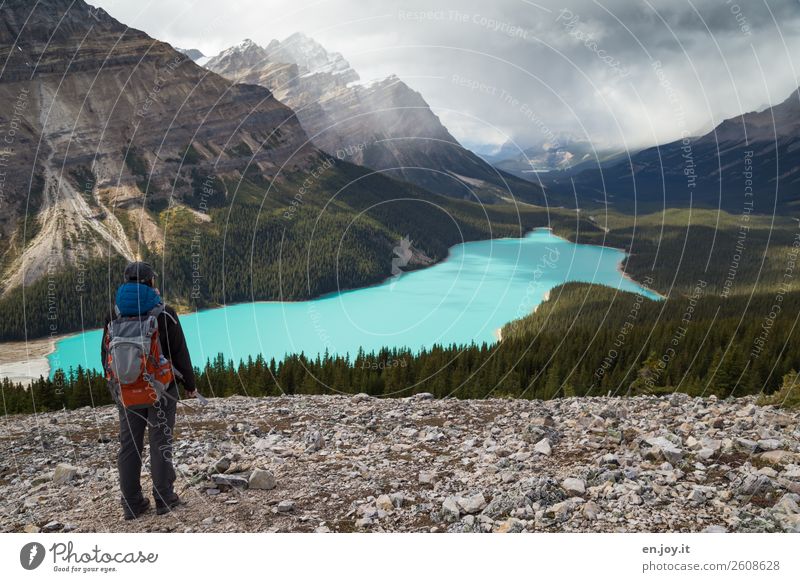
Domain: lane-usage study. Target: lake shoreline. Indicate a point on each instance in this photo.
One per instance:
(26, 361)
(620, 268)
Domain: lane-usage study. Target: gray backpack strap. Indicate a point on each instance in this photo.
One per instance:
(157, 310)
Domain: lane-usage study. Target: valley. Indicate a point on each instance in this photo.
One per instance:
(274, 173)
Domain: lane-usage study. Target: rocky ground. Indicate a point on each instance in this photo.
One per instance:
(335, 463)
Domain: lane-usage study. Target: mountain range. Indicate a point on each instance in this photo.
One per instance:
(749, 163)
(276, 173)
(563, 152)
(117, 146)
(384, 125)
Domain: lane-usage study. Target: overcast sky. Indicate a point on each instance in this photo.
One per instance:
(617, 72)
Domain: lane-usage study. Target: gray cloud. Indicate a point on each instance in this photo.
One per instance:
(530, 70)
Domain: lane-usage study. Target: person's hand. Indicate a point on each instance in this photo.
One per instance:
(191, 393)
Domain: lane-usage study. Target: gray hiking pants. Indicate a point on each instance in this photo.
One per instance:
(159, 420)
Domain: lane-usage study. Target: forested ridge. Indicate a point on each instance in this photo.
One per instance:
(586, 340)
(290, 239)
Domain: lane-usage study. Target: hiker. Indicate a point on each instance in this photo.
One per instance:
(143, 378)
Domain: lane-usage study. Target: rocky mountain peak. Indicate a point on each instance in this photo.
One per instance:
(309, 55)
(392, 122)
(235, 61)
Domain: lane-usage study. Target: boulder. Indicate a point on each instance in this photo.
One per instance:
(472, 503)
(574, 487)
(220, 465)
(262, 479)
(427, 477)
(778, 458)
(64, 473)
(511, 525)
(543, 447)
(384, 502)
(238, 481)
(314, 441)
(669, 450)
(451, 511)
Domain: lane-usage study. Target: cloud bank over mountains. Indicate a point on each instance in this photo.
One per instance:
(614, 72)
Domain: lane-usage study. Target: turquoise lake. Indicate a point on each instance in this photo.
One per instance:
(480, 287)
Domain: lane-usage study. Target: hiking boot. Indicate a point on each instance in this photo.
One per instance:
(134, 510)
(166, 507)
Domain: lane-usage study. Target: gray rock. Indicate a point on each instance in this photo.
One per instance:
(770, 444)
(64, 473)
(544, 490)
(668, 449)
(472, 504)
(511, 525)
(503, 504)
(706, 453)
(745, 445)
(267, 442)
(220, 465)
(427, 477)
(314, 441)
(778, 458)
(451, 511)
(574, 487)
(755, 484)
(230, 480)
(384, 502)
(697, 496)
(560, 511)
(543, 447)
(262, 479)
(285, 506)
(788, 504)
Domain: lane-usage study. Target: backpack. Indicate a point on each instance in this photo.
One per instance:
(138, 374)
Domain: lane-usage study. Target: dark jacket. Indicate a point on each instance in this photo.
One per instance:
(133, 298)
